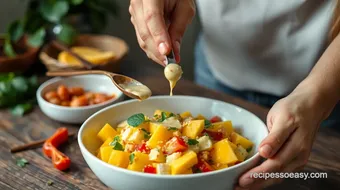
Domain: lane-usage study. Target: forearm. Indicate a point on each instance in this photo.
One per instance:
(324, 79)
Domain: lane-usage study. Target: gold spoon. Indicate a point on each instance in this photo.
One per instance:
(129, 86)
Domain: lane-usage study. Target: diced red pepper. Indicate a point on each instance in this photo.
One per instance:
(176, 144)
(150, 169)
(215, 119)
(143, 148)
(216, 136)
(204, 166)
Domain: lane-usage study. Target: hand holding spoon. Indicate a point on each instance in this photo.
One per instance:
(130, 87)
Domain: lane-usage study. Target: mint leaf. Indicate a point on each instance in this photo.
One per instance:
(131, 158)
(249, 149)
(164, 116)
(136, 120)
(21, 162)
(207, 124)
(192, 142)
(146, 134)
(116, 145)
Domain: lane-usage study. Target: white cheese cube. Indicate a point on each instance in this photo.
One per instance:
(172, 122)
(204, 143)
(173, 157)
(126, 133)
(163, 169)
(154, 154)
(122, 124)
(137, 136)
(194, 148)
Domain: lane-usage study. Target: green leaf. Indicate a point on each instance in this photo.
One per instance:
(146, 133)
(172, 129)
(37, 39)
(116, 145)
(21, 109)
(132, 158)
(8, 49)
(249, 149)
(207, 124)
(53, 10)
(21, 162)
(76, 2)
(192, 142)
(50, 183)
(16, 30)
(136, 120)
(67, 34)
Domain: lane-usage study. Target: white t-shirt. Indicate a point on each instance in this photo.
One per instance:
(267, 46)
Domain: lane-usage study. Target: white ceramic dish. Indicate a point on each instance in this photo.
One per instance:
(94, 83)
(122, 179)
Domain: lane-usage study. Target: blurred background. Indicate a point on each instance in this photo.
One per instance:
(119, 26)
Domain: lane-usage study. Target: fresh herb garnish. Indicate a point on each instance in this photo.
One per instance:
(171, 115)
(22, 162)
(116, 145)
(164, 116)
(50, 182)
(146, 134)
(192, 142)
(132, 158)
(172, 129)
(136, 120)
(207, 124)
(249, 149)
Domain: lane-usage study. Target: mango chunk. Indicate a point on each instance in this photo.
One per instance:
(185, 115)
(193, 129)
(105, 153)
(220, 166)
(153, 126)
(107, 142)
(138, 162)
(159, 137)
(185, 162)
(119, 158)
(238, 139)
(199, 116)
(159, 113)
(223, 153)
(106, 132)
(189, 171)
(224, 127)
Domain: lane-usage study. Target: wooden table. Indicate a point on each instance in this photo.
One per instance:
(14, 131)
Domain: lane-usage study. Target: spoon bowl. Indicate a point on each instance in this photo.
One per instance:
(129, 86)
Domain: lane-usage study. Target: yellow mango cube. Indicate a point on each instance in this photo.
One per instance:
(185, 115)
(107, 142)
(220, 166)
(119, 158)
(240, 140)
(189, 171)
(105, 153)
(153, 126)
(224, 127)
(183, 163)
(159, 137)
(139, 161)
(106, 132)
(199, 116)
(223, 152)
(193, 129)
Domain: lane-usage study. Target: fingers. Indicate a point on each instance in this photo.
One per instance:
(154, 18)
(181, 17)
(282, 127)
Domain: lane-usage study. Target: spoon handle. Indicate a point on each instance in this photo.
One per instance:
(171, 58)
(73, 73)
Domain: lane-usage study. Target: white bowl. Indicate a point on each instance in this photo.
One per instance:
(122, 179)
(72, 115)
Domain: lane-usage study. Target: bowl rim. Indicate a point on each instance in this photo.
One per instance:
(53, 80)
(147, 175)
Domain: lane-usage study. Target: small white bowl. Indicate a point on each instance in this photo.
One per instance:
(117, 178)
(77, 115)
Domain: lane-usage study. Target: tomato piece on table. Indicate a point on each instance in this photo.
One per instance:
(215, 119)
(150, 169)
(176, 144)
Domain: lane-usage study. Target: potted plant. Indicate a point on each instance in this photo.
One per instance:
(47, 19)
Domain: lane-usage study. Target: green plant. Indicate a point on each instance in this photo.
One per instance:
(42, 15)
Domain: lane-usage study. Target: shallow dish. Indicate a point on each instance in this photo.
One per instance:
(122, 179)
(77, 115)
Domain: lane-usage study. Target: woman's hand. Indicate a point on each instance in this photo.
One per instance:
(160, 25)
(293, 123)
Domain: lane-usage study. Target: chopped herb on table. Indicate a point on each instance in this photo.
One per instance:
(21, 162)
(17, 92)
(50, 183)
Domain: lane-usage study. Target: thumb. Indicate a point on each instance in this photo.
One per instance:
(181, 17)
(283, 126)
(154, 18)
